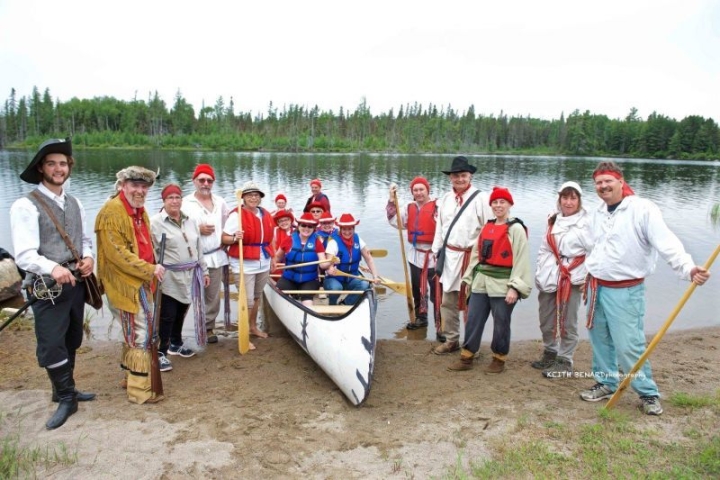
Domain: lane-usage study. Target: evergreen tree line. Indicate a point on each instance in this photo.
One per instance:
(108, 122)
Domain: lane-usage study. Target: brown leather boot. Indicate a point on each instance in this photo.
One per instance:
(496, 366)
(465, 363)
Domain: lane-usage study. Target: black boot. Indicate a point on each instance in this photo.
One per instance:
(64, 385)
(81, 396)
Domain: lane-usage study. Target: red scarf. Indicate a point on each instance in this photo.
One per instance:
(142, 233)
(564, 287)
(459, 195)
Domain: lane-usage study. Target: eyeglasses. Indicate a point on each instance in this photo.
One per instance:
(316, 210)
(305, 225)
(206, 180)
(252, 195)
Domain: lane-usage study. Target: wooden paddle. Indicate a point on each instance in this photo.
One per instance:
(331, 258)
(379, 252)
(408, 290)
(658, 336)
(398, 287)
(243, 314)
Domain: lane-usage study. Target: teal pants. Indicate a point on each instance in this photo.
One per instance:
(618, 338)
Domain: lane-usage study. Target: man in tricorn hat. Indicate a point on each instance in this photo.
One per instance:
(127, 266)
(41, 251)
(454, 243)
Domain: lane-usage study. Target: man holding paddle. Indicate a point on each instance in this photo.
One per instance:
(419, 218)
(41, 251)
(627, 233)
(127, 268)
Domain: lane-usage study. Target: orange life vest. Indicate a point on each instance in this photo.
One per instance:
(257, 235)
(494, 247)
(421, 223)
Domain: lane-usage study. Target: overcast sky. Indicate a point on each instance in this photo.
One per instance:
(523, 57)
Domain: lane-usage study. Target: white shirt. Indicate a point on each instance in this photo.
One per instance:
(25, 231)
(414, 256)
(332, 246)
(572, 237)
(192, 207)
(463, 234)
(626, 242)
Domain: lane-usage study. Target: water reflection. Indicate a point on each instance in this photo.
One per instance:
(685, 192)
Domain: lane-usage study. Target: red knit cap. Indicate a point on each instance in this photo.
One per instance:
(421, 180)
(169, 190)
(280, 196)
(316, 181)
(204, 168)
(501, 192)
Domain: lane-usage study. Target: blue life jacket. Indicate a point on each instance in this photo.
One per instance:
(324, 236)
(349, 259)
(300, 254)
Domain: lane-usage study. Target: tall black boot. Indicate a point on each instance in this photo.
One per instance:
(64, 385)
(81, 396)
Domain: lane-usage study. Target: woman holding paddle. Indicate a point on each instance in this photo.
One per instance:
(302, 247)
(258, 228)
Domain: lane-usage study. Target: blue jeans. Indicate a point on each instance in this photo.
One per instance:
(332, 283)
(618, 338)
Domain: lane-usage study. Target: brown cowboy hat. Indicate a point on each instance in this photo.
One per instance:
(54, 145)
(460, 164)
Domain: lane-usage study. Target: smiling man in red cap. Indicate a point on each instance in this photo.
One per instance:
(317, 196)
(419, 219)
(210, 212)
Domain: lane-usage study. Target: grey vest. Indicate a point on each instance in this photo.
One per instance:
(52, 245)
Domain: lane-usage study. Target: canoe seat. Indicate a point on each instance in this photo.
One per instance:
(332, 309)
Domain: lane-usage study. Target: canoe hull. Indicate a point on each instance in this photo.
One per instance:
(343, 346)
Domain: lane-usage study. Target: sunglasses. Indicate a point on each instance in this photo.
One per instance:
(305, 225)
(206, 180)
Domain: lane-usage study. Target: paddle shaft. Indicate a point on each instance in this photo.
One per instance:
(155, 379)
(658, 336)
(333, 259)
(408, 290)
(382, 281)
(243, 314)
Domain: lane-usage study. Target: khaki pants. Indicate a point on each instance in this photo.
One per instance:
(450, 316)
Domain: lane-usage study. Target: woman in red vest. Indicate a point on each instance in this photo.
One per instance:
(258, 228)
(498, 275)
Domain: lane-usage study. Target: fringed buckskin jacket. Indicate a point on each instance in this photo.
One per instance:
(120, 269)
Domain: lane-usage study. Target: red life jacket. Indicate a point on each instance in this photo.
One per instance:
(257, 235)
(421, 223)
(494, 247)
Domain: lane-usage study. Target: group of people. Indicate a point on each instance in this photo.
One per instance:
(481, 262)
(466, 253)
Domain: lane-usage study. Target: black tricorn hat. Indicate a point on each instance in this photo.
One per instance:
(460, 164)
(54, 145)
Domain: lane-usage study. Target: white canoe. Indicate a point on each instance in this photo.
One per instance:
(342, 344)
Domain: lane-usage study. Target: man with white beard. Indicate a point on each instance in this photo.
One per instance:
(127, 267)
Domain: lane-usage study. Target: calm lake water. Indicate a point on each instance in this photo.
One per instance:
(685, 192)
